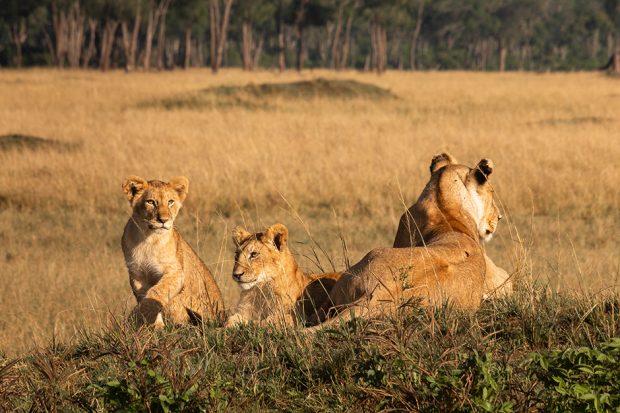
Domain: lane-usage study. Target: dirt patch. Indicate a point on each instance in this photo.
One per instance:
(33, 143)
(255, 96)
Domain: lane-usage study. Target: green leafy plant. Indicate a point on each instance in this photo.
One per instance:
(580, 379)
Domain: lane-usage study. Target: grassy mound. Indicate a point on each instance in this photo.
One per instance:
(32, 143)
(527, 353)
(255, 96)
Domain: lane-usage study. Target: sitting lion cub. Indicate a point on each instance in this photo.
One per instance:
(274, 289)
(168, 279)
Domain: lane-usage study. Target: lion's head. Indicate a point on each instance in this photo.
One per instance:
(480, 202)
(262, 257)
(456, 198)
(155, 203)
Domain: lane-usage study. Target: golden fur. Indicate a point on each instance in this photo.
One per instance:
(274, 289)
(167, 277)
(449, 265)
(497, 281)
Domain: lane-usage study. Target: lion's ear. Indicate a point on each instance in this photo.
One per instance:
(278, 234)
(181, 185)
(441, 160)
(483, 170)
(239, 235)
(134, 186)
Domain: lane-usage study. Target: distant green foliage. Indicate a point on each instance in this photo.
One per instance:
(454, 34)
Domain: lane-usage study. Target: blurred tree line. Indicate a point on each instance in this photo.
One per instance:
(339, 34)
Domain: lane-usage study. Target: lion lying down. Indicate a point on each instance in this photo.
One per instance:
(415, 224)
(447, 260)
(274, 289)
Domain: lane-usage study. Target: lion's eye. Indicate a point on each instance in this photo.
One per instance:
(150, 202)
(170, 203)
(253, 255)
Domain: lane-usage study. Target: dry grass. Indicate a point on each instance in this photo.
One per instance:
(342, 166)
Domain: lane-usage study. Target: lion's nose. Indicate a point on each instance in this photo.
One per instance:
(488, 231)
(237, 276)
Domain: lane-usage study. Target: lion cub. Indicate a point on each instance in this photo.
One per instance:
(274, 289)
(167, 277)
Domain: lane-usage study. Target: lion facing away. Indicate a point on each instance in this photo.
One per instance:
(167, 277)
(273, 288)
(416, 223)
(451, 263)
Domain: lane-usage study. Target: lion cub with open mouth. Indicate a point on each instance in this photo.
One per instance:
(167, 277)
(273, 288)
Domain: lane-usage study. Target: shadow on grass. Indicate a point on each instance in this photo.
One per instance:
(260, 96)
(17, 141)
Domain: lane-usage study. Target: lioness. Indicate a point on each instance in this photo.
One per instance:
(167, 277)
(274, 289)
(419, 220)
(451, 263)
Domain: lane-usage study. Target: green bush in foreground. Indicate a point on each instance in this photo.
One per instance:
(530, 352)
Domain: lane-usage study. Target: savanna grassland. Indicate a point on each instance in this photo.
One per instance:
(330, 165)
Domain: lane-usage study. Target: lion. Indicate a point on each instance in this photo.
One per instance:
(449, 264)
(167, 277)
(422, 214)
(273, 288)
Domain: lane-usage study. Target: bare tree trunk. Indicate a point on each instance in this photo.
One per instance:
(383, 48)
(610, 43)
(130, 38)
(378, 39)
(75, 34)
(281, 42)
(257, 53)
(188, 47)
(300, 48)
(247, 45)
(214, 13)
(396, 49)
(503, 52)
(416, 35)
(617, 55)
(336, 45)
(59, 22)
(172, 50)
(161, 36)
(90, 50)
(107, 43)
(373, 46)
(19, 35)
(347, 42)
(219, 31)
(150, 30)
(299, 24)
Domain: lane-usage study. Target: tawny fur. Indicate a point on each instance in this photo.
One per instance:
(422, 217)
(449, 265)
(168, 279)
(274, 289)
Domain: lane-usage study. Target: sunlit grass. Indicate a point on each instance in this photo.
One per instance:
(345, 167)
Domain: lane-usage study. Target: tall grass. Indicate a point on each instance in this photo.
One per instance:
(331, 169)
